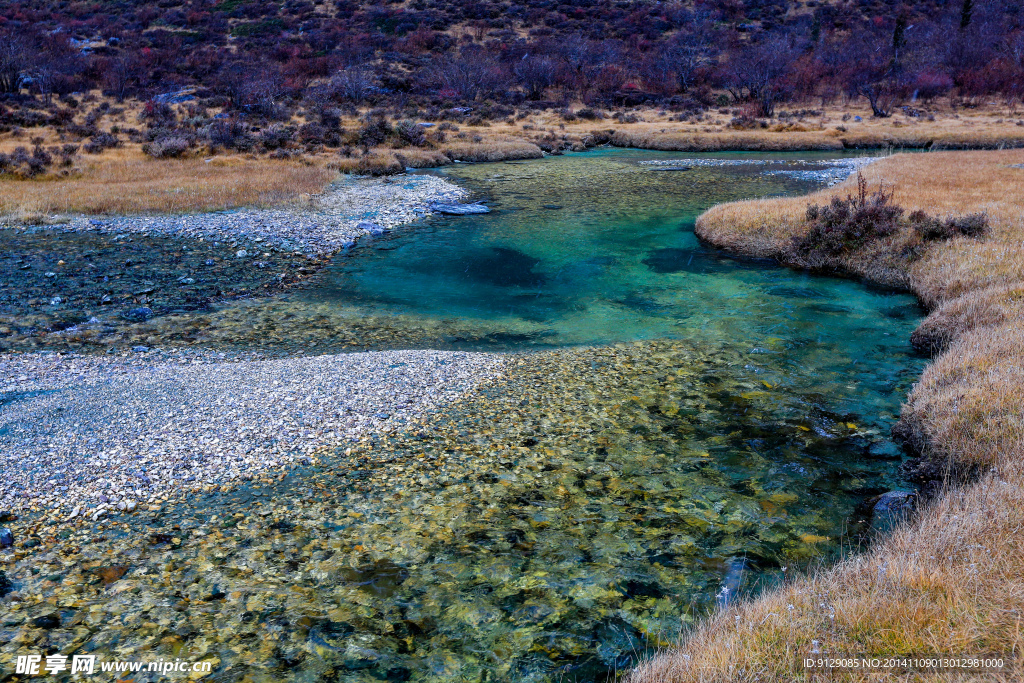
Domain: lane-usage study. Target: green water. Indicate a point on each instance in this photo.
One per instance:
(596, 248)
(690, 422)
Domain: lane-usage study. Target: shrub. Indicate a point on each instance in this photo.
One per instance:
(377, 165)
(100, 142)
(375, 131)
(848, 224)
(230, 134)
(845, 225)
(167, 147)
(411, 133)
(970, 225)
(23, 164)
(67, 154)
(276, 136)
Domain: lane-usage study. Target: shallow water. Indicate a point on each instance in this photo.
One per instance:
(719, 429)
(596, 248)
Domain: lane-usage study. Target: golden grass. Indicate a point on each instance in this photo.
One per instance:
(384, 161)
(124, 181)
(952, 582)
(990, 128)
(494, 149)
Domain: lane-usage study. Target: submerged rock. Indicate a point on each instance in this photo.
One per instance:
(895, 502)
(138, 315)
(6, 538)
(453, 209)
(374, 229)
(891, 508)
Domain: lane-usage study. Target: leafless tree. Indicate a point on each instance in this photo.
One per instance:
(470, 75)
(581, 58)
(353, 84)
(535, 73)
(759, 72)
(14, 60)
(876, 74)
(122, 73)
(691, 49)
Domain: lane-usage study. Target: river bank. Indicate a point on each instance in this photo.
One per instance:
(158, 418)
(952, 581)
(166, 422)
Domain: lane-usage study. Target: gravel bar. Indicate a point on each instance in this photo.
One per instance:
(98, 435)
(349, 209)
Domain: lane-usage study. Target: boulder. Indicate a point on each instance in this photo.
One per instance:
(895, 502)
(890, 509)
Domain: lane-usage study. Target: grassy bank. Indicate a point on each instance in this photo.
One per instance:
(124, 181)
(277, 168)
(951, 582)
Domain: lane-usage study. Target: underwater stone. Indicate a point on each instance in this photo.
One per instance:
(138, 315)
(895, 502)
(47, 621)
(6, 538)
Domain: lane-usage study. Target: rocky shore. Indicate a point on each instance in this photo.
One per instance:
(95, 435)
(100, 435)
(353, 207)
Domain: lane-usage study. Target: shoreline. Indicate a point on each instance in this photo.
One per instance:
(194, 447)
(174, 421)
(350, 208)
(961, 422)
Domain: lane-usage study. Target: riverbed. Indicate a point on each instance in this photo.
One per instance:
(673, 427)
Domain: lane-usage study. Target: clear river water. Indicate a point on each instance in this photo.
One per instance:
(688, 426)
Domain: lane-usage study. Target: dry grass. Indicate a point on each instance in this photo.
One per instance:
(124, 181)
(989, 128)
(495, 149)
(952, 582)
(383, 161)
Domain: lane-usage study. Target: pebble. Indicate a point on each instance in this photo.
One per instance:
(327, 225)
(94, 434)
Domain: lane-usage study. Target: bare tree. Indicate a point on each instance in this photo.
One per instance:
(581, 58)
(759, 72)
(122, 73)
(354, 84)
(470, 75)
(535, 73)
(14, 60)
(691, 49)
(877, 72)
(53, 64)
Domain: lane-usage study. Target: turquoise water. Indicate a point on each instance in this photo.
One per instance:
(598, 248)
